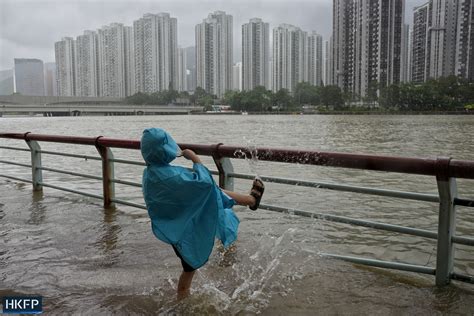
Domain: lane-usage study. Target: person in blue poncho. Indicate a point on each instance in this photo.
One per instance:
(187, 209)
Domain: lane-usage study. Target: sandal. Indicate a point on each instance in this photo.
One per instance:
(257, 192)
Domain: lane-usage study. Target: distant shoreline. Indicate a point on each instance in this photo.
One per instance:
(275, 113)
(344, 113)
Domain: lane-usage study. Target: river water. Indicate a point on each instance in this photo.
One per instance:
(84, 259)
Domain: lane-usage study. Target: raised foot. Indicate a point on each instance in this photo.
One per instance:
(257, 192)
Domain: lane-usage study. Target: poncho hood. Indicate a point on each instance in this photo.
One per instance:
(158, 147)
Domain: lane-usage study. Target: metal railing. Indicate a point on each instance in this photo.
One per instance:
(446, 170)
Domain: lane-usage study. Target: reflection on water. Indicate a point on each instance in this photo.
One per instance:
(38, 210)
(86, 259)
(106, 244)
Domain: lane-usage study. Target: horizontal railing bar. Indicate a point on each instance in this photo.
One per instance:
(463, 240)
(69, 155)
(421, 166)
(51, 138)
(134, 184)
(343, 187)
(369, 224)
(140, 163)
(15, 163)
(129, 162)
(462, 277)
(383, 264)
(463, 202)
(71, 173)
(353, 221)
(15, 178)
(129, 203)
(72, 190)
(15, 148)
(139, 185)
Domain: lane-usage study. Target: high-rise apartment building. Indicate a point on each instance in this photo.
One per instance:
(129, 43)
(87, 67)
(289, 51)
(342, 44)
(7, 84)
(111, 47)
(314, 59)
(29, 76)
(329, 70)
(327, 63)
(410, 54)
(367, 40)
(464, 56)
(237, 77)
(182, 70)
(191, 66)
(156, 52)
(441, 38)
(50, 86)
(405, 53)
(214, 57)
(419, 44)
(270, 74)
(65, 55)
(442, 42)
(255, 54)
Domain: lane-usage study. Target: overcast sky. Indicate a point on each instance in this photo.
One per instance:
(29, 28)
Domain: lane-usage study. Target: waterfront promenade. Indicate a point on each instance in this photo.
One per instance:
(91, 259)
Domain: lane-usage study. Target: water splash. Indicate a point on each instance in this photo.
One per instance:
(255, 277)
(250, 154)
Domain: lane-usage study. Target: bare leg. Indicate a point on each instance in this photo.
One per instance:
(184, 284)
(241, 199)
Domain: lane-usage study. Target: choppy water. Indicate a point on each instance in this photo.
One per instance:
(87, 260)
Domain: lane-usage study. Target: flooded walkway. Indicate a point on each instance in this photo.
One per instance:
(86, 260)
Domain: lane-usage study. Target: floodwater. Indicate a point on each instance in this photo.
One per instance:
(84, 259)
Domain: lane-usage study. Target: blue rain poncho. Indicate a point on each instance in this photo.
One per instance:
(187, 209)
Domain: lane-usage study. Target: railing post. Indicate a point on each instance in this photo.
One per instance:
(224, 166)
(446, 222)
(36, 172)
(108, 186)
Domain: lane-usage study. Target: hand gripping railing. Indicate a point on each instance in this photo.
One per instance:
(446, 170)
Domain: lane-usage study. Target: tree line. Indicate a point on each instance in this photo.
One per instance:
(444, 94)
(257, 100)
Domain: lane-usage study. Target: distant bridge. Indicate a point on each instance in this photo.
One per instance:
(97, 109)
(48, 100)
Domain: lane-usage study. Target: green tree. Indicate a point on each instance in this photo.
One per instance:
(305, 93)
(390, 97)
(332, 96)
(198, 94)
(206, 101)
(184, 94)
(269, 99)
(234, 99)
(169, 96)
(283, 100)
(372, 90)
(254, 100)
(138, 98)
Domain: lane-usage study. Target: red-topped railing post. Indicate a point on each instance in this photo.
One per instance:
(224, 166)
(446, 222)
(108, 186)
